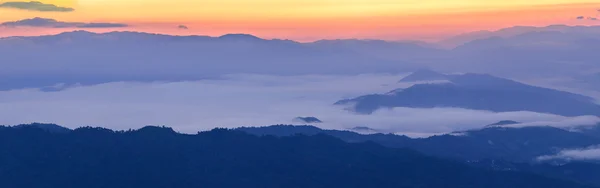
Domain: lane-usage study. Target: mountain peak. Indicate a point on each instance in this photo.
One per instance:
(240, 36)
(424, 75)
(53, 128)
(76, 34)
(157, 130)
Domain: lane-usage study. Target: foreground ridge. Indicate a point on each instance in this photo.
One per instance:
(159, 157)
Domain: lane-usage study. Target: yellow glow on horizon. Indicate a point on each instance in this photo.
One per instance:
(319, 18)
(63, 3)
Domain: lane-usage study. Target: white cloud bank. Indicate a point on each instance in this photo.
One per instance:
(567, 123)
(591, 153)
(246, 100)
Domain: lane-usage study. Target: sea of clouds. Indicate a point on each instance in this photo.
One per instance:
(248, 100)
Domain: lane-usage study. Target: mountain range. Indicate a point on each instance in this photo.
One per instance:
(513, 144)
(155, 157)
(515, 31)
(496, 147)
(82, 57)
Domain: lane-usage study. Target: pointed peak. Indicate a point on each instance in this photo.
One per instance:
(424, 75)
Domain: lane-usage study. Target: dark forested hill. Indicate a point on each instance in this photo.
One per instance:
(155, 157)
(496, 148)
(513, 144)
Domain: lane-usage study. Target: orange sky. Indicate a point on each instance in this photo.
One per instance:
(307, 20)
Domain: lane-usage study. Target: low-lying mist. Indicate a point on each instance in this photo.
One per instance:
(247, 100)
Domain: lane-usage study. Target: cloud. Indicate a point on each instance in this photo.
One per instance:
(52, 23)
(102, 25)
(587, 18)
(570, 123)
(182, 27)
(591, 153)
(241, 100)
(35, 6)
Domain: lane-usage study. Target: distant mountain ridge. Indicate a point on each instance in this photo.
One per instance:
(95, 58)
(478, 92)
(514, 31)
(550, 52)
(146, 57)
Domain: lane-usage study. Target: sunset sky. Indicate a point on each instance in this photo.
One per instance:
(307, 20)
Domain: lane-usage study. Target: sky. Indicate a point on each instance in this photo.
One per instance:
(307, 20)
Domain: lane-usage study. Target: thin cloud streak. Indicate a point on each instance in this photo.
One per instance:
(591, 153)
(52, 23)
(35, 6)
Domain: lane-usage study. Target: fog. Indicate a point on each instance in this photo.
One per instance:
(247, 100)
(123, 80)
(591, 153)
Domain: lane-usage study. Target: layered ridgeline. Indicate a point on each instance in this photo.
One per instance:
(524, 144)
(154, 157)
(92, 58)
(95, 58)
(477, 92)
(496, 147)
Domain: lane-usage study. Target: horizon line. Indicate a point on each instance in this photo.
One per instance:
(297, 41)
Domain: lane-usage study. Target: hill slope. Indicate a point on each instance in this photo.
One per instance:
(155, 157)
(514, 144)
(479, 92)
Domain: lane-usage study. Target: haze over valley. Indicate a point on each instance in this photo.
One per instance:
(299, 94)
